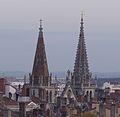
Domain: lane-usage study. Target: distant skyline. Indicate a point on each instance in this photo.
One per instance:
(19, 23)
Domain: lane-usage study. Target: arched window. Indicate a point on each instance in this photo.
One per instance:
(27, 92)
(69, 94)
(33, 92)
(50, 96)
(77, 93)
(10, 95)
(87, 93)
(47, 96)
(90, 94)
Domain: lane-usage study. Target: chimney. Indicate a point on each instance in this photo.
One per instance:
(102, 109)
(22, 111)
(113, 110)
(22, 105)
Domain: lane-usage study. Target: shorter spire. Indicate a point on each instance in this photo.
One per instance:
(40, 25)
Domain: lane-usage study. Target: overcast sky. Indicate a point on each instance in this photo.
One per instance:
(19, 23)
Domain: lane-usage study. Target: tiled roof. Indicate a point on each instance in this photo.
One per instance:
(35, 99)
(8, 101)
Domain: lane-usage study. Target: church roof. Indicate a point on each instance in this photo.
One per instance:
(66, 90)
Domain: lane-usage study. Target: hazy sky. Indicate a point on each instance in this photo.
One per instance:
(19, 23)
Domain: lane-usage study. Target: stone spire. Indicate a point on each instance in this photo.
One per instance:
(40, 72)
(81, 74)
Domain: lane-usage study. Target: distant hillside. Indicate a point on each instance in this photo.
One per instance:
(95, 74)
(16, 74)
(100, 81)
(59, 74)
(107, 75)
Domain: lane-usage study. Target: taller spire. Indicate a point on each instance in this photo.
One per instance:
(40, 67)
(81, 69)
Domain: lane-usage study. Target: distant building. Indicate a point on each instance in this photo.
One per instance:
(3, 81)
(6, 89)
(111, 87)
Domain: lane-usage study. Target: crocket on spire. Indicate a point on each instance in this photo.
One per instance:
(81, 74)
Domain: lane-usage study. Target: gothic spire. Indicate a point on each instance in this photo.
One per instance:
(40, 67)
(81, 68)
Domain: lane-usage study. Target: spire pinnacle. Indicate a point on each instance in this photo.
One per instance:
(40, 25)
(82, 17)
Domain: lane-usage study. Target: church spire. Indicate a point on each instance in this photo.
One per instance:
(40, 67)
(81, 68)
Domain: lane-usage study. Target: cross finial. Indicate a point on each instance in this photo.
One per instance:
(81, 14)
(40, 25)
